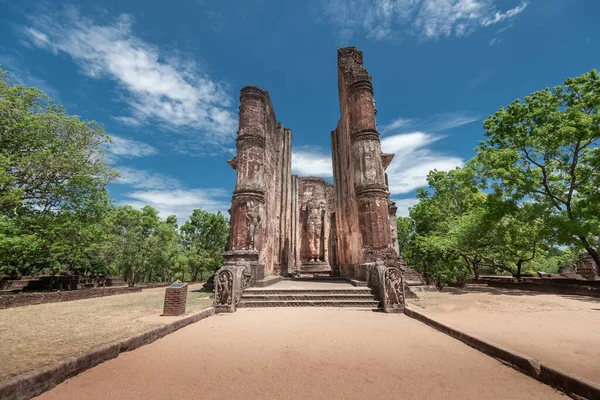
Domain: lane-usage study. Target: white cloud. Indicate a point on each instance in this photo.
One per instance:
(435, 123)
(404, 205)
(395, 124)
(159, 88)
(311, 161)
(414, 160)
(143, 179)
(428, 19)
(129, 121)
(180, 202)
(122, 147)
(408, 170)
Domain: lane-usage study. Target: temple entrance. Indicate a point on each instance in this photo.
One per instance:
(282, 225)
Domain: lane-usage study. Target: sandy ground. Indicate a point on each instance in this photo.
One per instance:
(560, 330)
(38, 335)
(304, 353)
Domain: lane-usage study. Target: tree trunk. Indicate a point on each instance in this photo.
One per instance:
(519, 265)
(466, 258)
(194, 275)
(202, 275)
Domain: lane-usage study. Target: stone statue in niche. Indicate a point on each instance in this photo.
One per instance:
(253, 219)
(314, 227)
(224, 288)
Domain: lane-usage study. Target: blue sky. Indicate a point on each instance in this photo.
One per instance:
(164, 78)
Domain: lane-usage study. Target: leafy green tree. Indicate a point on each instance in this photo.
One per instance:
(52, 182)
(204, 237)
(405, 228)
(545, 150)
(48, 159)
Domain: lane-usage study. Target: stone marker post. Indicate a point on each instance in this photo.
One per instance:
(175, 299)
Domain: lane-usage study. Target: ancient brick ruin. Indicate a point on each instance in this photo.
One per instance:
(284, 225)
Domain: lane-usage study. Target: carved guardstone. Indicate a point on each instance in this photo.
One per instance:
(230, 282)
(388, 282)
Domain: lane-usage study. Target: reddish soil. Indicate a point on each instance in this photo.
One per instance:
(306, 353)
(563, 331)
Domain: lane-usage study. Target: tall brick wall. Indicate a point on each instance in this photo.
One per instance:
(360, 222)
(263, 181)
(349, 241)
(362, 196)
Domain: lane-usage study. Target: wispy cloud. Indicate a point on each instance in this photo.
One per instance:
(408, 171)
(395, 124)
(169, 195)
(427, 19)
(159, 88)
(414, 159)
(144, 179)
(129, 148)
(435, 123)
(180, 202)
(129, 121)
(311, 161)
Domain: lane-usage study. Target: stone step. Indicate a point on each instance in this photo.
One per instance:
(317, 278)
(307, 291)
(309, 303)
(307, 296)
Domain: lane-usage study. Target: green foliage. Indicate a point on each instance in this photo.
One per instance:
(146, 245)
(55, 214)
(52, 182)
(545, 150)
(204, 237)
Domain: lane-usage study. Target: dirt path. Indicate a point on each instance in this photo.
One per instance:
(305, 353)
(563, 331)
(38, 335)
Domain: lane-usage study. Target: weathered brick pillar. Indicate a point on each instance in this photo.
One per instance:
(248, 202)
(369, 178)
(175, 299)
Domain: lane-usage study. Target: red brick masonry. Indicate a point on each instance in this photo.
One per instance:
(27, 299)
(175, 299)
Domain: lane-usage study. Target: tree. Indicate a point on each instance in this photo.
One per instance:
(405, 228)
(49, 159)
(52, 182)
(451, 196)
(545, 150)
(204, 236)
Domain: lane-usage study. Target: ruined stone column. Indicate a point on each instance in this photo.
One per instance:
(369, 177)
(247, 209)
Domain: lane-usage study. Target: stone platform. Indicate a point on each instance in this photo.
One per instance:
(316, 268)
(307, 293)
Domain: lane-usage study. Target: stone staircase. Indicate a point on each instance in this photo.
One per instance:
(306, 294)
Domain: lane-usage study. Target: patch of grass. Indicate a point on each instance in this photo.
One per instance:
(39, 335)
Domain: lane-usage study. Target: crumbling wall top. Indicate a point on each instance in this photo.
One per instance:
(350, 63)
